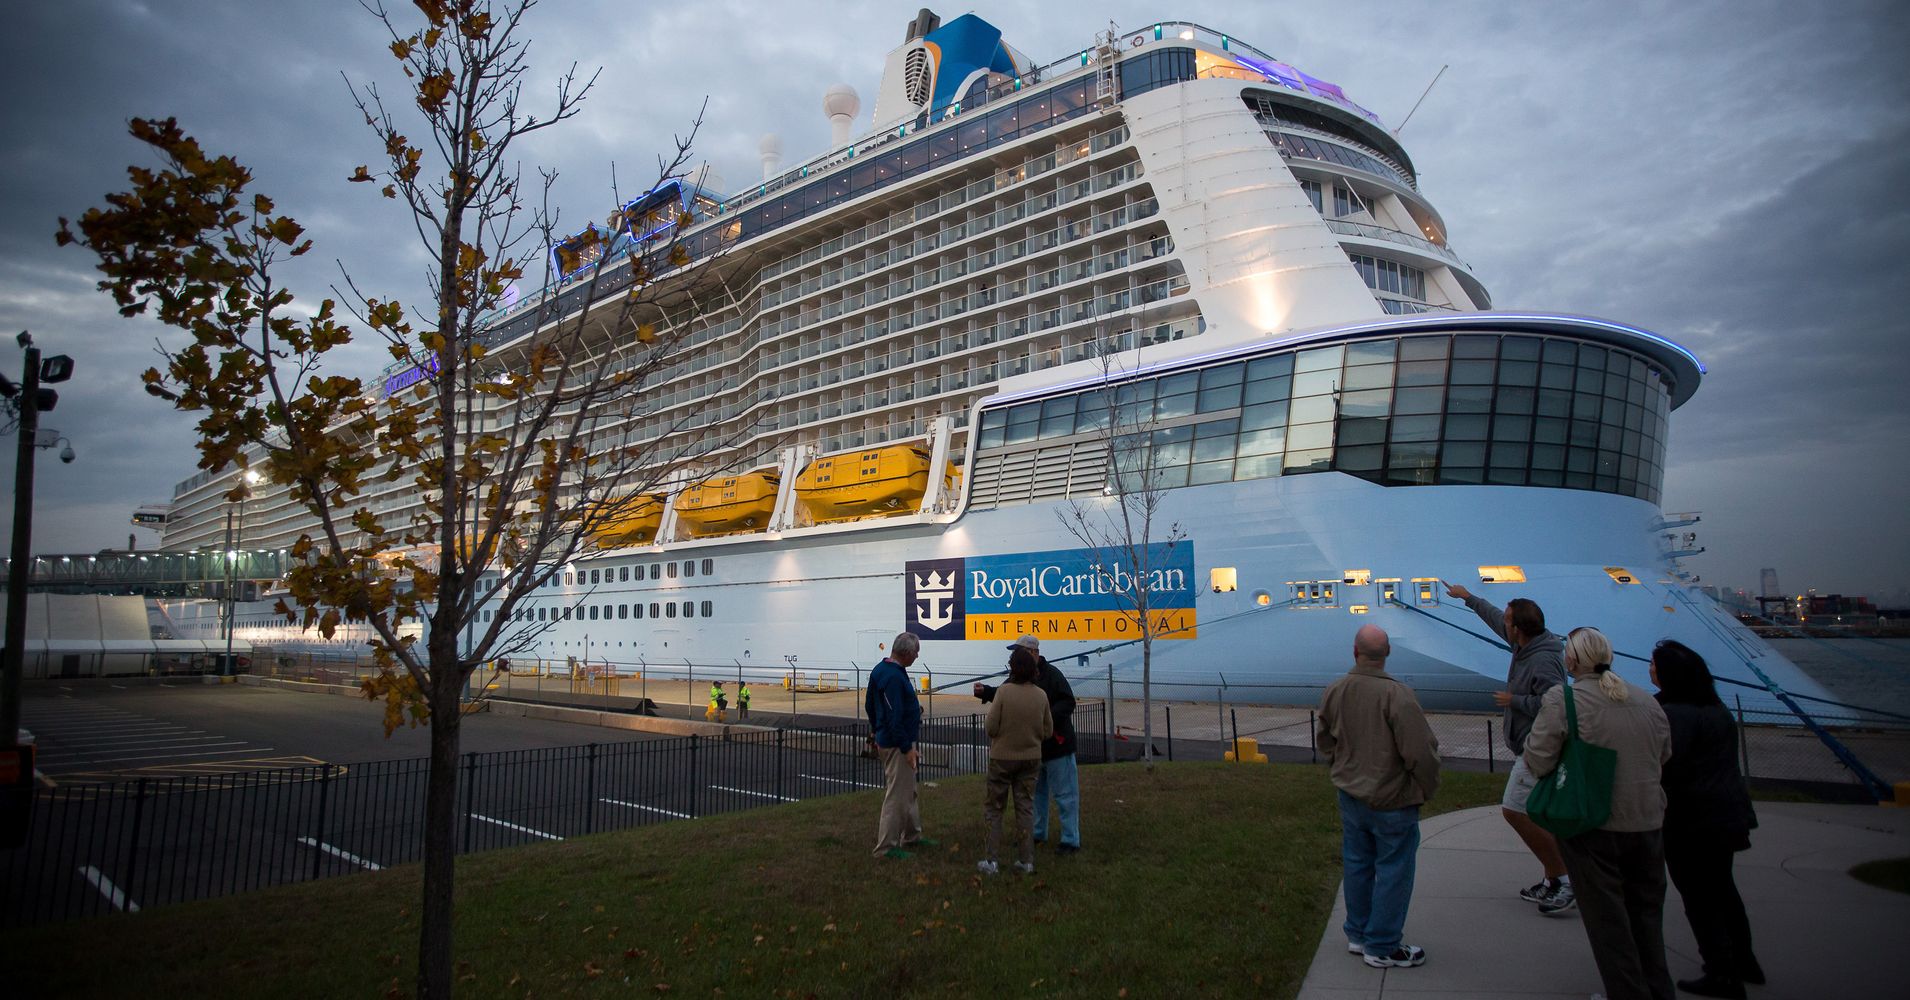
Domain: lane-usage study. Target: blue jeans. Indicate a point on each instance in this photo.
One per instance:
(1059, 778)
(1378, 848)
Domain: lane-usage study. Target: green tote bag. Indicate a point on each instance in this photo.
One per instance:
(1577, 797)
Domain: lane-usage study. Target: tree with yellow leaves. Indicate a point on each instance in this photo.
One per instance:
(515, 450)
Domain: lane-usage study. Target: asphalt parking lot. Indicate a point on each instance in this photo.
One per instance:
(164, 794)
(100, 731)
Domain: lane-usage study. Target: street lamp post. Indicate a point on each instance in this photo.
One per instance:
(234, 537)
(16, 762)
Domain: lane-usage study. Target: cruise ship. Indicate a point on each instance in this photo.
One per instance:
(1168, 245)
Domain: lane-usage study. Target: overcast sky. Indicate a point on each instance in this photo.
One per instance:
(1730, 174)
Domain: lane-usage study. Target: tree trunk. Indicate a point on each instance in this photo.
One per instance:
(435, 970)
(1147, 703)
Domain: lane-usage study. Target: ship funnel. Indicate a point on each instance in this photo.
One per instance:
(840, 103)
(772, 149)
(924, 22)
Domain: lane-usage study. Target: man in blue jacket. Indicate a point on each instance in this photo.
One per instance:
(895, 720)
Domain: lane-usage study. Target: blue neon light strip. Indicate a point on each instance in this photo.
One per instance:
(1330, 333)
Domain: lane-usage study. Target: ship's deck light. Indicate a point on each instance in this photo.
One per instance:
(1501, 574)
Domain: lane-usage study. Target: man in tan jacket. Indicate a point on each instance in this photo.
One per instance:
(1385, 762)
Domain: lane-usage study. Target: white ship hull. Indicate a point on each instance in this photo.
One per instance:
(832, 603)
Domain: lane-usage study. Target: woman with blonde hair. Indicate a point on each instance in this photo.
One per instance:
(1619, 868)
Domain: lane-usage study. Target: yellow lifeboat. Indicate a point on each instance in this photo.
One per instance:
(629, 520)
(877, 483)
(726, 505)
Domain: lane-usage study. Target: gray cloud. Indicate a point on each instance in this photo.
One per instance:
(1725, 173)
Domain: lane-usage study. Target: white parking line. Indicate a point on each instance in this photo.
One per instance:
(520, 829)
(65, 726)
(168, 756)
(109, 890)
(108, 753)
(336, 853)
(144, 737)
(763, 795)
(840, 781)
(654, 809)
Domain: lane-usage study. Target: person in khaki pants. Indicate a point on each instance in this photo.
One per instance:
(1019, 722)
(895, 720)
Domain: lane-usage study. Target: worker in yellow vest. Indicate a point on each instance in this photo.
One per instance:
(742, 700)
(718, 702)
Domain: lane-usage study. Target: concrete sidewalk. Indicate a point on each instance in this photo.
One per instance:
(1818, 931)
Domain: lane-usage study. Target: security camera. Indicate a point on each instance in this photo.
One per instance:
(66, 455)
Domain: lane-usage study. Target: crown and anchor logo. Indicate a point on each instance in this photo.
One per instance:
(934, 605)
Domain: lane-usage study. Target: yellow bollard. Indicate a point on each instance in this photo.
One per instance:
(1249, 752)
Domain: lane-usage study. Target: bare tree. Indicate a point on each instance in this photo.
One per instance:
(511, 453)
(1123, 526)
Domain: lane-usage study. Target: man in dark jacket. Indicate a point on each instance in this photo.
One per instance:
(1059, 776)
(895, 720)
(1538, 665)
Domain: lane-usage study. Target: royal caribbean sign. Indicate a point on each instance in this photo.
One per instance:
(1066, 594)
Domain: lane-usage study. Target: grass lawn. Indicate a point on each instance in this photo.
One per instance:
(1201, 879)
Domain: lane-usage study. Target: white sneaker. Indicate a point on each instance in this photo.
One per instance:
(1403, 957)
(1355, 949)
(1025, 869)
(988, 867)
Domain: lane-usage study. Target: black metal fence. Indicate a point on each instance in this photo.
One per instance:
(1771, 745)
(128, 845)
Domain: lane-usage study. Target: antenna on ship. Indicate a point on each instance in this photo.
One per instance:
(1422, 100)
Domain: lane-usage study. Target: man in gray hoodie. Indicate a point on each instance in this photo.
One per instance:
(1538, 665)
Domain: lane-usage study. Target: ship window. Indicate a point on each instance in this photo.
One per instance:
(566, 578)
(636, 611)
(1274, 367)
(1002, 125)
(654, 609)
(593, 612)
(689, 567)
(689, 609)
(669, 609)
(623, 611)
(1057, 417)
(1223, 579)
(568, 612)
(706, 609)
(1024, 423)
(1312, 189)
(709, 566)
(671, 570)
(626, 574)
(595, 576)
(656, 571)
(542, 614)
(1501, 574)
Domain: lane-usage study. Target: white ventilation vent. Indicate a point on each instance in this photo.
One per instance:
(1037, 475)
(915, 76)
